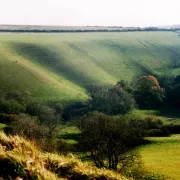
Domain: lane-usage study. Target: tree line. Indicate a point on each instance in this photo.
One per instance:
(83, 30)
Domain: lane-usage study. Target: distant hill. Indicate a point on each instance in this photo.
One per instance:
(62, 66)
(54, 29)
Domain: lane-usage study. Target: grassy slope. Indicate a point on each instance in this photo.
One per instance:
(20, 158)
(163, 156)
(60, 66)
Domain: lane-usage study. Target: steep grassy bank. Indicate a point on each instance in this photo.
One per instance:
(20, 158)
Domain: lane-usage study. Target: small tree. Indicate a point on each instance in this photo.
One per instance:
(48, 116)
(148, 92)
(109, 140)
(51, 119)
(146, 83)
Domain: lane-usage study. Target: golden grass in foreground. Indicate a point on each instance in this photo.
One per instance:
(20, 158)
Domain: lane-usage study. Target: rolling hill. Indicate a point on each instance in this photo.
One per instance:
(60, 66)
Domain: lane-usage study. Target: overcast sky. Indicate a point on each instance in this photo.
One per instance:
(90, 12)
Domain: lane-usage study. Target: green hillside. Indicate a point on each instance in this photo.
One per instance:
(60, 66)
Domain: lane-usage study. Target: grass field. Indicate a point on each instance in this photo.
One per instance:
(162, 156)
(60, 66)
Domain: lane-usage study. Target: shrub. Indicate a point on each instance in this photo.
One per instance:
(153, 122)
(63, 147)
(33, 108)
(29, 127)
(47, 144)
(11, 106)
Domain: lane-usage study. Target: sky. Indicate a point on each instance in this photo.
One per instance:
(90, 12)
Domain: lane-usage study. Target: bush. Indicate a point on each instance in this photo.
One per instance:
(155, 127)
(29, 127)
(11, 107)
(33, 108)
(148, 126)
(153, 122)
(47, 144)
(63, 147)
(59, 146)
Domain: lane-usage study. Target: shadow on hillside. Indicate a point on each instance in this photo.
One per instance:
(124, 49)
(51, 60)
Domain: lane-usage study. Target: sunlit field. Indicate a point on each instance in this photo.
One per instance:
(162, 156)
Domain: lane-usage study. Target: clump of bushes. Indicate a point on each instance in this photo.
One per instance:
(155, 127)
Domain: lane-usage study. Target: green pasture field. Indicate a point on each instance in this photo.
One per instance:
(162, 156)
(60, 66)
